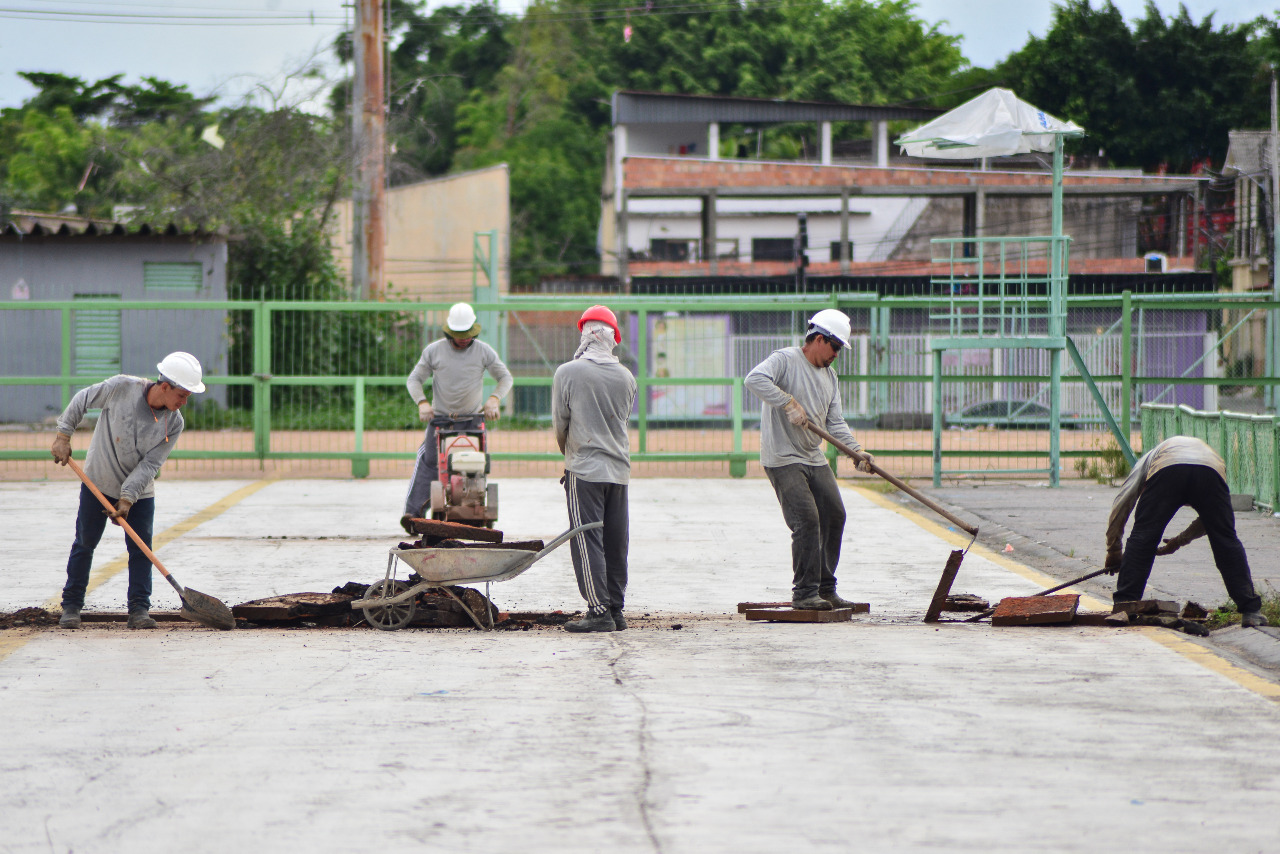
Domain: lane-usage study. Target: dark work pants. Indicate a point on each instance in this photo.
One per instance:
(91, 521)
(814, 511)
(1165, 493)
(599, 555)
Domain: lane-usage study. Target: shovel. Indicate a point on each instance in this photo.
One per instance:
(196, 606)
(957, 555)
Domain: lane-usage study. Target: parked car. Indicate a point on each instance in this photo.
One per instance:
(1011, 414)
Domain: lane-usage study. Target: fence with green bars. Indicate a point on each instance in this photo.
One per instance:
(1248, 444)
(317, 388)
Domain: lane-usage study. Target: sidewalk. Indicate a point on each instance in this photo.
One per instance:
(884, 734)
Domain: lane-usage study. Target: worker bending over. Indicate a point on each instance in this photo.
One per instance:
(1179, 471)
(456, 365)
(591, 401)
(794, 384)
(137, 429)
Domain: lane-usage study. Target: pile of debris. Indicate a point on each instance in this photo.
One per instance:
(28, 617)
(1063, 609)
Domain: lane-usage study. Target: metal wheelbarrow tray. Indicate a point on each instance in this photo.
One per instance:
(389, 604)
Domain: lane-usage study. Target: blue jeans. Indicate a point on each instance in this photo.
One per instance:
(91, 521)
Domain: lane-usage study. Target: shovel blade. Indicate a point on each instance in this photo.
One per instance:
(204, 609)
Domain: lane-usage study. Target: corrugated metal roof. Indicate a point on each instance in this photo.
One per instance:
(660, 108)
(35, 223)
(1248, 152)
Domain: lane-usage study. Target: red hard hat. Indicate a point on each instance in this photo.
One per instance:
(602, 314)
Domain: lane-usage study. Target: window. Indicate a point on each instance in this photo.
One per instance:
(773, 249)
(672, 250)
(184, 276)
(95, 337)
(837, 254)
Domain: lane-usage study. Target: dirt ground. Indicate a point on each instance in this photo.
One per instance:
(888, 444)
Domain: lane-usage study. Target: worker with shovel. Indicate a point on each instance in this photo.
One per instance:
(139, 425)
(1178, 472)
(794, 384)
(591, 401)
(457, 364)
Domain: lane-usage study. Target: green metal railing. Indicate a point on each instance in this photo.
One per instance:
(275, 380)
(1248, 444)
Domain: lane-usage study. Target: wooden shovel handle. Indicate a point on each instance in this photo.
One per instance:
(133, 535)
(862, 458)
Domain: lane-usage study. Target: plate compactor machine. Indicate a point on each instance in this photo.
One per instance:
(462, 492)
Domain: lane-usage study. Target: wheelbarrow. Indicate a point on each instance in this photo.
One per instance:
(390, 604)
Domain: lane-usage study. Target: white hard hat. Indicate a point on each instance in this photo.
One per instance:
(461, 322)
(183, 370)
(833, 323)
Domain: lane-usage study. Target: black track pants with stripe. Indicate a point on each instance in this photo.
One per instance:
(599, 555)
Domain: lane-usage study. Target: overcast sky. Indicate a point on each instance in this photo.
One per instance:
(93, 39)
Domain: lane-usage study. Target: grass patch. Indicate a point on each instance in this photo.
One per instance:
(1108, 466)
(1228, 613)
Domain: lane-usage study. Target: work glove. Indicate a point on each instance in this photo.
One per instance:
(795, 413)
(1171, 545)
(62, 449)
(492, 408)
(1114, 557)
(121, 511)
(865, 463)
(425, 411)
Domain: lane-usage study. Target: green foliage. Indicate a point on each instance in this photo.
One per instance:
(1108, 466)
(1228, 613)
(1164, 92)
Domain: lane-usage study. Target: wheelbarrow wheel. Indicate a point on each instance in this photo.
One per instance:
(389, 617)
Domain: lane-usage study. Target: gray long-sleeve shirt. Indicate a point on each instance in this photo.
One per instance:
(591, 407)
(1176, 450)
(458, 385)
(131, 440)
(782, 376)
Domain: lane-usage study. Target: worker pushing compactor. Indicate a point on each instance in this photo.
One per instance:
(795, 384)
(456, 364)
(1178, 472)
(139, 425)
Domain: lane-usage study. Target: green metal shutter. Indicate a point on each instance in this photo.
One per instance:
(95, 338)
(185, 276)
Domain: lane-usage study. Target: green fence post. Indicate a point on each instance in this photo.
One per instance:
(937, 419)
(359, 467)
(1126, 364)
(642, 379)
(262, 380)
(737, 461)
(66, 357)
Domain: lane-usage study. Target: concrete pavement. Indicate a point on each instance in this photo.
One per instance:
(883, 734)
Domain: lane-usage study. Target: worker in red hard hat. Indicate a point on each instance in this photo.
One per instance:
(456, 365)
(795, 384)
(139, 424)
(592, 397)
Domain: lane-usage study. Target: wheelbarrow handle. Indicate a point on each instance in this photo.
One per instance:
(564, 538)
(862, 458)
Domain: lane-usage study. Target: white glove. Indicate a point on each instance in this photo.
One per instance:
(795, 413)
(425, 411)
(492, 408)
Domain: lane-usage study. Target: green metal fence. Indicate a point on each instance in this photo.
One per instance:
(317, 388)
(1248, 444)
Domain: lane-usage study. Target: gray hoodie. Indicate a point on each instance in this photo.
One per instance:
(131, 440)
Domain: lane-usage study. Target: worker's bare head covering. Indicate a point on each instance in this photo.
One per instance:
(597, 342)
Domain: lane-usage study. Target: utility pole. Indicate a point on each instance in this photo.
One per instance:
(369, 132)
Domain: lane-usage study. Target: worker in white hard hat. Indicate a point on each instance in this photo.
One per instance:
(139, 424)
(795, 384)
(456, 365)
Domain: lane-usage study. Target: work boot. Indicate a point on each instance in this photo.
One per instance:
(70, 618)
(141, 619)
(406, 522)
(1253, 619)
(836, 600)
(619, 622)
(812, 602)
(602, 622)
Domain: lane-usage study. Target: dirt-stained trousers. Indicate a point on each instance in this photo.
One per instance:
(814, 511)
(599, 555)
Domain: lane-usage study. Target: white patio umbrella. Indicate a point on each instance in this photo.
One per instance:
(994, 124)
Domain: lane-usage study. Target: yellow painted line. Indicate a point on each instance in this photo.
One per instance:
(1210, 660)
(1204, 656)
(961, 540)
(107, 571)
